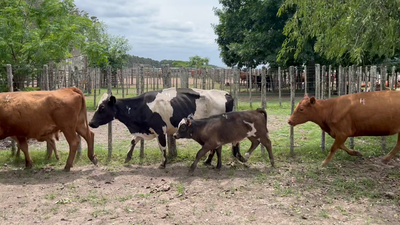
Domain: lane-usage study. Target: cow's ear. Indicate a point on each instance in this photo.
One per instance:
(312, 100)
(113, 100)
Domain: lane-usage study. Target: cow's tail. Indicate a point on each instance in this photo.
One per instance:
(229, 103)
(261, 110)
(90, 134)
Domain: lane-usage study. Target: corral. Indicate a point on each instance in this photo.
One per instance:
(298, 191)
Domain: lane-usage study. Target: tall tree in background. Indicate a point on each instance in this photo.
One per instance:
(197, 61)
(361, 31)
(32, 33)
(249, 32)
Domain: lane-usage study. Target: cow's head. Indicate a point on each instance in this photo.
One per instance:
(305, 111)
(105, 111)
(185, 128)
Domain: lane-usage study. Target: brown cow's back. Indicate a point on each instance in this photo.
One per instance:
(37, 114)
(364, 114)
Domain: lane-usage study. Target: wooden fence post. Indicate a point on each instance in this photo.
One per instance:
(322, 96)
(383, 87)
(110, 123)
(94, 87)
(351, 91)
(292, 99)
(11, 89)
(235, 88)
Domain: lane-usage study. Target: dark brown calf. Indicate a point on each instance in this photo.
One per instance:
(232, 127)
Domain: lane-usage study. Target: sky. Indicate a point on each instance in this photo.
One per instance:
(161, 29)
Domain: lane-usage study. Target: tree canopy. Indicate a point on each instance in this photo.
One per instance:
(361, 31)
(249, 32)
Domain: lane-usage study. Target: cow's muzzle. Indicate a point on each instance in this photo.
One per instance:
(290, 122)
(93, 125)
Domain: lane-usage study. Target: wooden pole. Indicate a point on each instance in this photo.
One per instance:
(236, 73)
(322, 96)
(383, 87)
(140, 90)
(11, 89)
(110, 123)
(292, 99)
(279, 86)
(94, 87)
(329, 81)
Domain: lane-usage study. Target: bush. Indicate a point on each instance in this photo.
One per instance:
(31, 89)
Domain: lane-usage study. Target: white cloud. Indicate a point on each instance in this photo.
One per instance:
(159, 29)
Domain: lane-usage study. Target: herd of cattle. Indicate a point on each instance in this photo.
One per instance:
(205, 116)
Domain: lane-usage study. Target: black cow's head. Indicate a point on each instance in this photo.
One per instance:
(185, 128)
(105, 111)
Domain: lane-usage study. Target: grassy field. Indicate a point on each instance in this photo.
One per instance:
(362, 181)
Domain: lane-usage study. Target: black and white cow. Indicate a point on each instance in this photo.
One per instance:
(157, 113)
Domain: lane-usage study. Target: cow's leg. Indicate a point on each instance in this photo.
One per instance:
(85, 132)
(394, 151)
(339, 141)
(52, 144)
(254, 144)
(210, 157)
(73, 142)
(130, 152)
(162, 143)
(22, 143)
(350, 151)
(236, 152)
(199, 155)
(219, 164)
(267, 143)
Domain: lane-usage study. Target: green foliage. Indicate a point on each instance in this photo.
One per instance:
(197, 61)
(31, 89)
(360, 31)
(249, 32)
(180, 63)
(32, 33)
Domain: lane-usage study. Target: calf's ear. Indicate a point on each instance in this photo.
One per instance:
(312, 100)
(113, 100)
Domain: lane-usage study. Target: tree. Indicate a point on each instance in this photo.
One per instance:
(197, 61)
(35, 32)
(249, 32)
(361, 31)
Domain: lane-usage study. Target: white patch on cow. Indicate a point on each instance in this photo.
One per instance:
(102, 99)
(162, 149)
(164, 128)
(183, 121)
(8, 98)
(162, 105)
(129, 109)
(253, 129)
(247, 156)
(225, 115)
(210, 103)
(146, 137)
(362, 101)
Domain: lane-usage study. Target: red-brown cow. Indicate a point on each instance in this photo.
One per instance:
(361, 114)
(38, 114)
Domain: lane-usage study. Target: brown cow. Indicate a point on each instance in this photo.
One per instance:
(361, 114)
(51, 141)
(38, 114)
(230, 127)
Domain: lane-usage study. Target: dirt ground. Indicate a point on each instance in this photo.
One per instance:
(236, 194)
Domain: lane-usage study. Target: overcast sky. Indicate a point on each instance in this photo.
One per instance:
(161, 29)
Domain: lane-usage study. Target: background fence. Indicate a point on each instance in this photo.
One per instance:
(253, 85)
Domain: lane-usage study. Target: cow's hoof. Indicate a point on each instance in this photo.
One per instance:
(385, 160)
(127, 160)
(67, 169)
(357, 153)
(95, 161)
(207, 163)
(162, 166)
(241, 159)
(324, 164)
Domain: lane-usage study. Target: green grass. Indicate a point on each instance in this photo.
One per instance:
(343, 176)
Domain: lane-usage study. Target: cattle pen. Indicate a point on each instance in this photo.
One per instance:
(352, 190)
